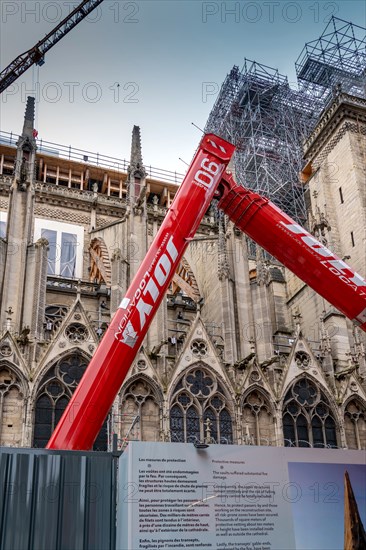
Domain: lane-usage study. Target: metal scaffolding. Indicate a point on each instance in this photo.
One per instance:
(267, 120)
(336, 59)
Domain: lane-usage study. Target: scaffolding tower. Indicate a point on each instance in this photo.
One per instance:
(267, 120)
(336, 59)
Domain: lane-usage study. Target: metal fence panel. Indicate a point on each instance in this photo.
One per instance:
(56, 500)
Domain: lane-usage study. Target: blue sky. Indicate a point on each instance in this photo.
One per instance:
(164, 55)
(318, 513)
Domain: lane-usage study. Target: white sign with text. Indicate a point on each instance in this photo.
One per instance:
(229, 497)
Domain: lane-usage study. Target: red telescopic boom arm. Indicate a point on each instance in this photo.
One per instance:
(287, 241)
(93, 398)
(257, 217)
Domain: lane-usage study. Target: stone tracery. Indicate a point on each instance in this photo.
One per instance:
(199, 409)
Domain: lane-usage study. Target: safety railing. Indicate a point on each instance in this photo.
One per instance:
(92, 159)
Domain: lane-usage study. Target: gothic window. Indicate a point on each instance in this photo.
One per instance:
(76, 333)
(51, 237)
(257, 425)
(302, 359)
(2, 229)
(355, 425)
(11, 408)
(140, 418)
(307, 417)
(199, 348)
(252, 248)
(61, 253)
(199, 411)
(65, 247)
(54, 315)
(54, 393)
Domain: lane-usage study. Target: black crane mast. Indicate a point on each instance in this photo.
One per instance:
(36, 54)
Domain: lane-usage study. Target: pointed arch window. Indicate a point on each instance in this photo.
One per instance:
(65, 247)
(307, 417)
(355, 425)
(140, 412)
(11, 408)
(257, 419)
(199, 410)
(55, 391)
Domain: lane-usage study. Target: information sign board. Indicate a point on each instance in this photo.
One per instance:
(229, 497)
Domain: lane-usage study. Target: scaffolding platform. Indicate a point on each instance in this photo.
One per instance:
(268, 121)
(336, 58)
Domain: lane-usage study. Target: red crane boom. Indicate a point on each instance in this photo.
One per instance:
(293, 246)
(92, 399)
(253, 214)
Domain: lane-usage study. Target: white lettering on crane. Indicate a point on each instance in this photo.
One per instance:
(308, 239)
(204, 177)
(341, 266)
(150, 289)
(144, 310)
(173, 252)
(335, 265)
(162, 269)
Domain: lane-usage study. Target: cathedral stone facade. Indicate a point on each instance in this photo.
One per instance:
(240, 352)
